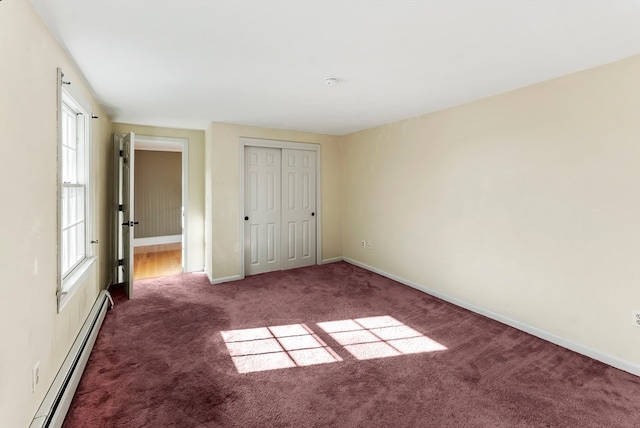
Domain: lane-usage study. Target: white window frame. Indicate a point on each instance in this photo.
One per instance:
(70, 280)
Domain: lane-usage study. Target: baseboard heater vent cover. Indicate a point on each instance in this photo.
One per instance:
(56, 403)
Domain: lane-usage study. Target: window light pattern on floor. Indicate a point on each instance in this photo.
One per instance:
(379, 337)
(277, 347)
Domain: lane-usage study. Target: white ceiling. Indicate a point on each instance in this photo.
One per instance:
(187, 63)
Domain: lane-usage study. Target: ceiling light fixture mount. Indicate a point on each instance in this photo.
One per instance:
(331, 81)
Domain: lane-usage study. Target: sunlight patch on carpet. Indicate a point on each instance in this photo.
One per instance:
(276, 347)
(379, 337)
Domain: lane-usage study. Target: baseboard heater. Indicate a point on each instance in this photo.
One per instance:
(56, 403)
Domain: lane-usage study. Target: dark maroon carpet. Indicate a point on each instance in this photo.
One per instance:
(161, 360)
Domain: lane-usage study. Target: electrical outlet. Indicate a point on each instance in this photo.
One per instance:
(35, 376)
(363, 243)
(369, 245)
(636, 317)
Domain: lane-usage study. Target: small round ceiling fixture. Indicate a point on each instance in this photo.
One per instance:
(331, 81)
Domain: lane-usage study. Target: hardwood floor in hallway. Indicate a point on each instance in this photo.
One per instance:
(157, 263)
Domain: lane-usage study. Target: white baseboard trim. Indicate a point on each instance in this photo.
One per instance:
(332, 260)
(56, 402)
(225, 279)
(616, 362)
(157, 240)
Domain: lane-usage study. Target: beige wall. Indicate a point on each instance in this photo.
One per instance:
(195, 217)
(158, 193)
(223, 178)
(526, 204)
(31, 330)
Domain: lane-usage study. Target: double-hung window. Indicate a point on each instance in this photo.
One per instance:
(74, 252)
(74, 189)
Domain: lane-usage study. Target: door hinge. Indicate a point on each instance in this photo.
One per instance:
(120, 262)
(121, 153)
(120, 207)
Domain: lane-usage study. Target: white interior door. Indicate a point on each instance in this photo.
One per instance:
(298, 208)
(262, 204)
(125, 215)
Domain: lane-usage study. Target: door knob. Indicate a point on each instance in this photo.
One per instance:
(312, 214)
(246, 218)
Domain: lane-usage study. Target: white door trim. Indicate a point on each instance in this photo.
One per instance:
(170, 144)
(276, 144)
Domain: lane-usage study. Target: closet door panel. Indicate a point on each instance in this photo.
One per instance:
(262, 210)
(298, 208)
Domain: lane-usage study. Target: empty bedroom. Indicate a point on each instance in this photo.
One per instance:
(320, 213)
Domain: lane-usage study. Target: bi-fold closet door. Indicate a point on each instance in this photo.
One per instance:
(279, 209)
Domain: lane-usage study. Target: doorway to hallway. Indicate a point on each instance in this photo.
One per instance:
(158, 204)
(151, 193)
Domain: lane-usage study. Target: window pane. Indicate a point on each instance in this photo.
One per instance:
(80, 204)
(69, 146)
(70, 119)
(72, 245)
(64, 201)
(80, 243)
(64, 124)
(65, 162)
(70, 169)
(64, 251)
(80, 151)
(72, 205)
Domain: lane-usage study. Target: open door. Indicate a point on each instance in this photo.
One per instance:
(124, 149)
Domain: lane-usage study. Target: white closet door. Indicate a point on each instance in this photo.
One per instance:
(298, 208)
(262, 210)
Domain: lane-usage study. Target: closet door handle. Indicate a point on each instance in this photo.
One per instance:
(246, 218)
(312, 214)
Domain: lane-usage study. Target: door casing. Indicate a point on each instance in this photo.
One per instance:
(276, 144)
